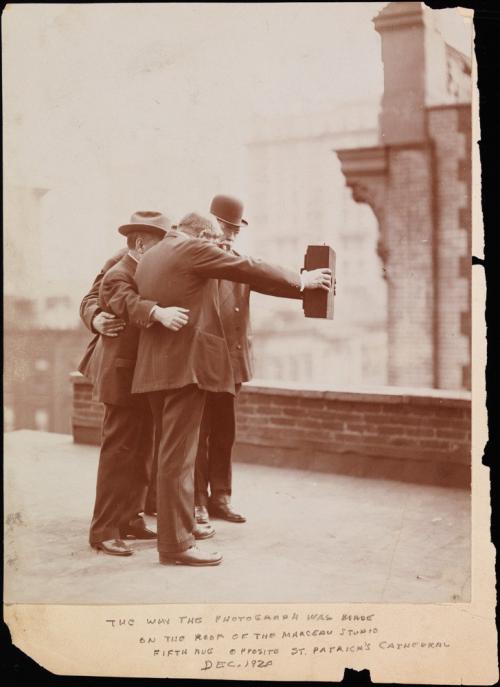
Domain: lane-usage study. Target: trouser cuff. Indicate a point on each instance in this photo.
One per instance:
(220, 494)
(104, 535)
(178, 547)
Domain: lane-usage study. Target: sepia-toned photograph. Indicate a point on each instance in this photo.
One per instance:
(237, 303)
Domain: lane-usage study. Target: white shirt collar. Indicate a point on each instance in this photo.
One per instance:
(133, 257)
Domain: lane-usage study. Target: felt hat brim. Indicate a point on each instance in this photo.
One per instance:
(126, 229)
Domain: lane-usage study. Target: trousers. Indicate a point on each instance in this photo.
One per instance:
(213, 469)
(177, 416)
(124, 468)
(150, 497)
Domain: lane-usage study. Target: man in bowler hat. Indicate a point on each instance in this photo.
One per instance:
(213, 470)
(177, 369)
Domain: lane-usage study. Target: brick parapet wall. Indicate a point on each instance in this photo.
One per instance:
(408, 434)
(87, 414)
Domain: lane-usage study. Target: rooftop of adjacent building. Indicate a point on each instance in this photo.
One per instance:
(310, 537)
(345, 120)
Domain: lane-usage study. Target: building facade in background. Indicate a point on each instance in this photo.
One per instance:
(297, 196)
(37, 391)
(401, 228)
(417, 179)
(43, 342)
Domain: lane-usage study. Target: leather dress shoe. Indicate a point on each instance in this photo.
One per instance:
(203, 531)
(113, 547)
(137, 532)
(222, 510)
(192, 556)
(201, 515)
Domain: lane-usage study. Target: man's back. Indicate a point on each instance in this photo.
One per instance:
(197, 354)
(172, 274)
(180, 270)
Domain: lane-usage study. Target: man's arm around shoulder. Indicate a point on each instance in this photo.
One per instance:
(118, 295)
(90, 312)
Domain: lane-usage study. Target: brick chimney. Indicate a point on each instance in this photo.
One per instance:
(420, 71)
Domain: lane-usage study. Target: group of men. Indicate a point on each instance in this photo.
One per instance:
(171, 349)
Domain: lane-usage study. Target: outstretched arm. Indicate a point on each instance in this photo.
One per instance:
(210, 261)
(279, 292)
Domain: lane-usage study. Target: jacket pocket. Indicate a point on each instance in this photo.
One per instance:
(210, 357)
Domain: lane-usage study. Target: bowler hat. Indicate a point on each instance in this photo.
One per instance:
(228, 210)
(147, 220)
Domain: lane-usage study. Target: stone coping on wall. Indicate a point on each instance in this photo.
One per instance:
(366, 394)
(375, 394)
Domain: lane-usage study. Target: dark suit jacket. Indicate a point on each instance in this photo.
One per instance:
(116, 356)
(234, 301)
(182, 271)
(89, 307)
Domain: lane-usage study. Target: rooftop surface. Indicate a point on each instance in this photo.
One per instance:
(310, 537)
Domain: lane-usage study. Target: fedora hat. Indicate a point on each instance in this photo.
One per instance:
(228, 209)
(147, 220)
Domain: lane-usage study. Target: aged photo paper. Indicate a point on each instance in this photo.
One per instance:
(347, 125)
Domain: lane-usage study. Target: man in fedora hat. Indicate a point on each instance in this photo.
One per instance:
(127, 433)
(176, 369)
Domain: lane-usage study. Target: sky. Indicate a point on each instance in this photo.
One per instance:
(120, 107)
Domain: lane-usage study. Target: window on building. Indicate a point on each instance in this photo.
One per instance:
(41, 365)
(41, 420)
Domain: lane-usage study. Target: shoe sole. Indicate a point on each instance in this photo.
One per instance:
(206, 536)
(222, 517)
(113, 553)
(192, 565)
